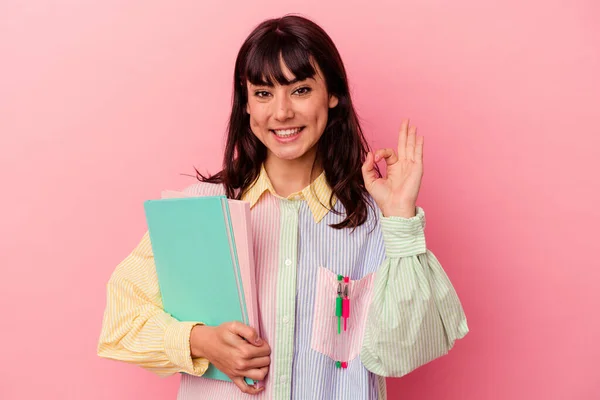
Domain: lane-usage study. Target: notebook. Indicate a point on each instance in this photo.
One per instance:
(242, 230)
(204, 260)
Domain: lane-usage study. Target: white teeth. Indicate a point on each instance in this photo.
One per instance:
(287, 132)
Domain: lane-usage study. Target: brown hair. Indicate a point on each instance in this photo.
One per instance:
(341, 149)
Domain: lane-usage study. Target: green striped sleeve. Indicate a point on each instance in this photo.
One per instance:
(415, 315)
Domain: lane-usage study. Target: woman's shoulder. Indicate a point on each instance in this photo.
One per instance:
(204, 189)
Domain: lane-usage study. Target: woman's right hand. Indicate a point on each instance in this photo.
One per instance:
(224, 346)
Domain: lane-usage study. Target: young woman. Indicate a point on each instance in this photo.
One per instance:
(323, 217)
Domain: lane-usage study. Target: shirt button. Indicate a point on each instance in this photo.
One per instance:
(288, 262)
(283, 378)
(297, 197)
(286, 319)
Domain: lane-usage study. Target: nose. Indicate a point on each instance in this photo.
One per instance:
(284, 109)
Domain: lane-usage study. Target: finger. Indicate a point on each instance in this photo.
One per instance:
(257, 374)
(248, 352)
(246, 332)
(388, 154)
(368, 170)
(258, 362)
(419, 149)
(262, 351)
(402, 139)
(244, 387)
(410, 143)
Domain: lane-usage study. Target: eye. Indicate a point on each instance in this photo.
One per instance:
(261, 93)
(303, 90)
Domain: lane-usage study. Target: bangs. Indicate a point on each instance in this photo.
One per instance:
(263, 64)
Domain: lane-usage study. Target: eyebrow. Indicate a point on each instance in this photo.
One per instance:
(293, 81)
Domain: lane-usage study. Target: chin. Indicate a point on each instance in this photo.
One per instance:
(288, 156)
(287, 152)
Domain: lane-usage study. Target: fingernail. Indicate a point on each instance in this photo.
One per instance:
(258, 341)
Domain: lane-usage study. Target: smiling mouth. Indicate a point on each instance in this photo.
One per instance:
(286, 133)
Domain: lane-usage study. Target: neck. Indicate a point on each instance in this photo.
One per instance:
(290, 176)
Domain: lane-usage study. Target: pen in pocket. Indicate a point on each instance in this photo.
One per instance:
(339, 304)
(342, 302)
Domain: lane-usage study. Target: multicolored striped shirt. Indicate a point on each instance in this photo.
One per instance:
(404, 311)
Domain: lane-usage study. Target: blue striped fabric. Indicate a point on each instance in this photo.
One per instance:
(354, 255)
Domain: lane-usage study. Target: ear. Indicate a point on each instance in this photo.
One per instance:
(333, 101)
(247, 108)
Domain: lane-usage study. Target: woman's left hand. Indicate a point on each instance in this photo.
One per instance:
(396, 194)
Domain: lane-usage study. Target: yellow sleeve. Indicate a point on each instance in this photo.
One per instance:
(136, 329)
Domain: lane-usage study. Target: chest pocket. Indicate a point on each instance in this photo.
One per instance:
(341, 345)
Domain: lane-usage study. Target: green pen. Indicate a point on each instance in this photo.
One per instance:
(338, 304)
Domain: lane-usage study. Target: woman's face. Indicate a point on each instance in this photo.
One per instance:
(290, 119)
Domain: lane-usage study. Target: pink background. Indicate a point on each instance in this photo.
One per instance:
(104, 104)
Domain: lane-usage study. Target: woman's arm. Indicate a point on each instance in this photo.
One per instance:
(135, 328)
(415, 315)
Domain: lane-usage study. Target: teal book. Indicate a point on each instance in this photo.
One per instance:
(197, 262)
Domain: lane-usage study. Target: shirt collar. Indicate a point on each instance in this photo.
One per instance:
(316, 194)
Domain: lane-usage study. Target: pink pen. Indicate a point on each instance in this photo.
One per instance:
(346, 303)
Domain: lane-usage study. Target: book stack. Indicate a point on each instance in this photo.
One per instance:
(204, 258)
